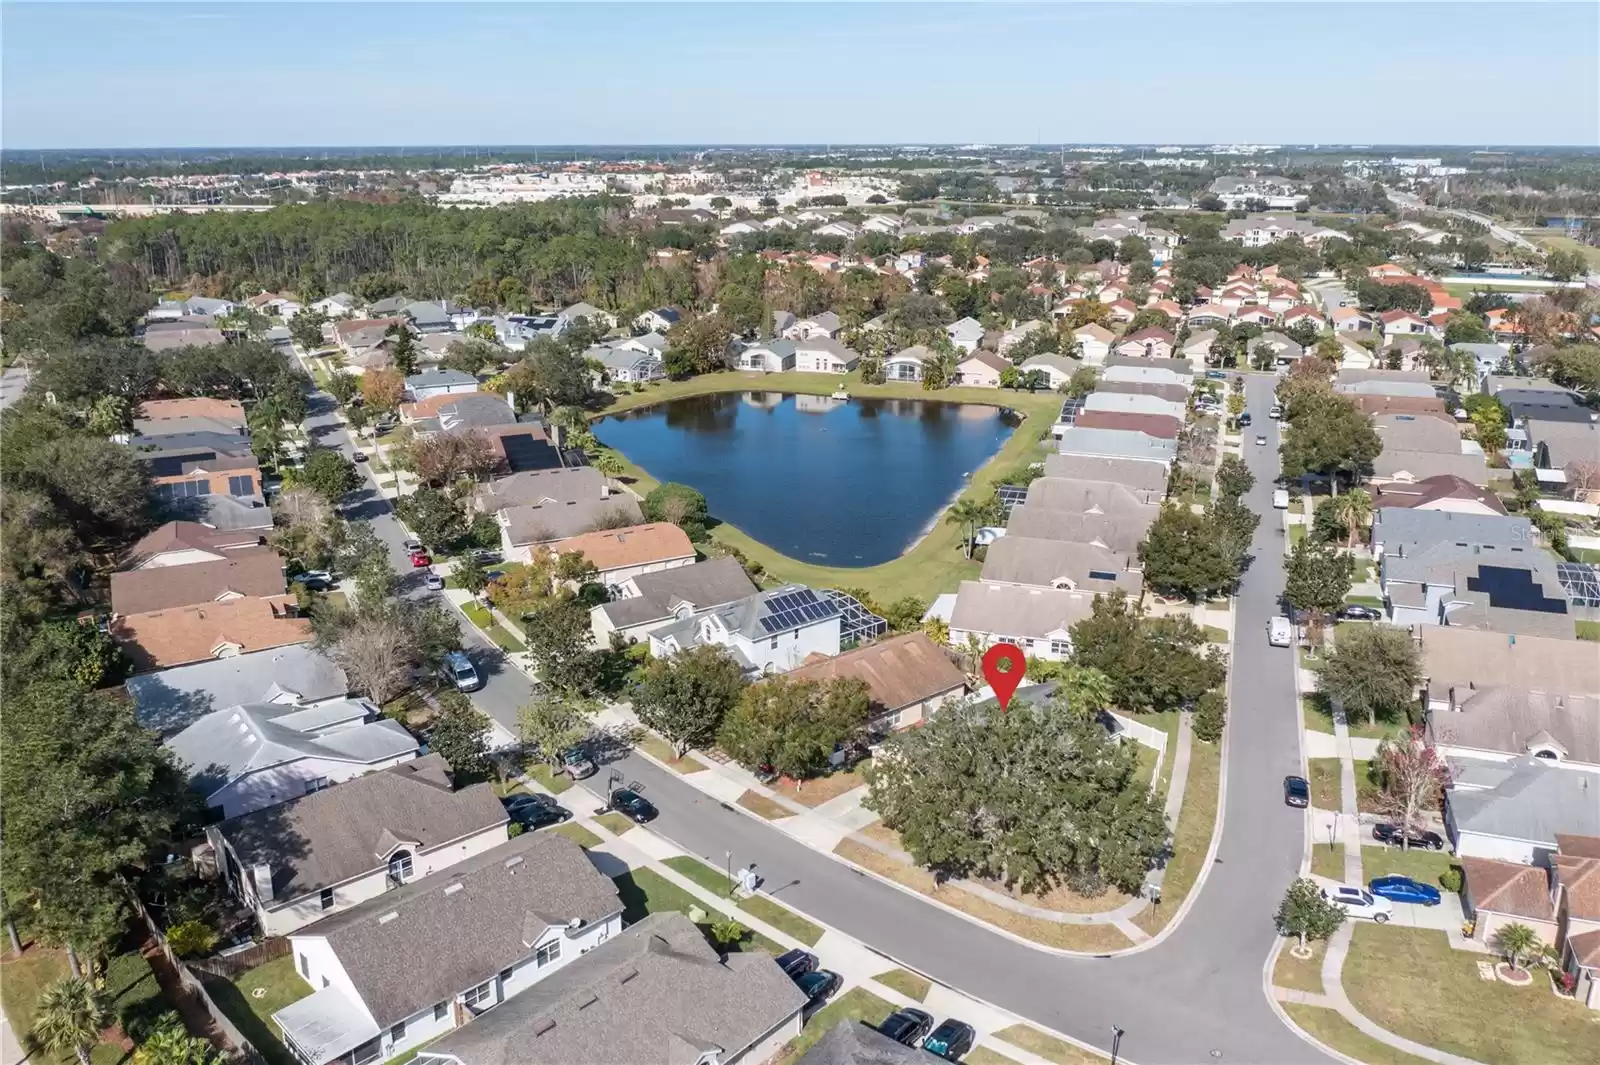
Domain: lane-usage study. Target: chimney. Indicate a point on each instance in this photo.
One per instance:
(605, 490)
(261, 880)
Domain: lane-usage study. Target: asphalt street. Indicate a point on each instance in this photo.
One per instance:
(1194, 997)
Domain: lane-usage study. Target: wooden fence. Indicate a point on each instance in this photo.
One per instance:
(229, 966)
(243, 1050)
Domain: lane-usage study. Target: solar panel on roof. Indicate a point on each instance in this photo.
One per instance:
(1010, 495)
(1514, 589)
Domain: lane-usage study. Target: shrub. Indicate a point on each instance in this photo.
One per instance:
(1209, 714)
(727, 932)
(191, 939)
(1450, 879)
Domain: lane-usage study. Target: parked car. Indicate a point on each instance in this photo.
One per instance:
(1359, 902)
(906, 1026)
(818, 986)
(951, 1039)
(576, 764)
(487, 556)
(1296, 792)
(534, 812)
(412, 546)
(359, 456)
(1261, 441)
(1359, 613)
(1244, 419)
(316, 580)
(432, 581)
(459, 671)
(420, 559)
(1404, 889)
(1275, 411)
(632, 805)
(1417, 837)
(796, 963)
(1280, 632)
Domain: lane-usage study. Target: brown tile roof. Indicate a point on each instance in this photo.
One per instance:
(1376, 405)
(1509, 888)
(252, 573)
(356, 325)
(193, 536)
(1578, 846)
(425, 408)
(900, 670)
(187, 634)
(1580, 879)
(193, 407)
(1586, 948)
(609, 549)
(1432, 489)
(1154, 424)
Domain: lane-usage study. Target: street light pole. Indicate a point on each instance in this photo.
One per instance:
(1116, 1043)
(728, 856)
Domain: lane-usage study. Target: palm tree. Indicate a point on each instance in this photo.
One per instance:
(72, 1013)
(966, 513)
(609, 464)
(1354, 511)
(1514, 941)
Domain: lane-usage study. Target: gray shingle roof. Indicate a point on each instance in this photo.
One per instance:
(853, 1042)
(540, 523)
(1117, 443)
(174, 699)
(467, 921)
(654, 995)
(1130, 472)
(536, 486)
(1008, 610)
(701, 586)
(348, 830)
(1404, 529)
(437, 378)
(1534, 802)
(1041, 563)
(1513, 720)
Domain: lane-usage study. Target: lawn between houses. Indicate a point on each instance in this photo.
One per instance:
(935, 563)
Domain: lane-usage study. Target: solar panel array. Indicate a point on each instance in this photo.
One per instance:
(856, 622)
(791, 610)
(1514, 589)
(1010, 495)
(1582, 582)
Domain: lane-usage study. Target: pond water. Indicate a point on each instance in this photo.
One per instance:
(835, 482)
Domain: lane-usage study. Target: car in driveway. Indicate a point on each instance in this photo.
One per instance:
(1356, 612)
(577, 764)
(316, 580)
(1416, 837)
(534, 812)
(1296, 792)
(906, 1026)
(796, 963)
(632, 805)
(1404, 889)
(951, 1039)
(1359, 902)
(818, 986)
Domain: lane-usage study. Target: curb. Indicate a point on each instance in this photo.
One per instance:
(1283, 1014)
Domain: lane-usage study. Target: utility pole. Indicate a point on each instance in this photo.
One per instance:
(1116, 1042)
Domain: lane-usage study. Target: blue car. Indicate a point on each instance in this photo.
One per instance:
(1404, 889)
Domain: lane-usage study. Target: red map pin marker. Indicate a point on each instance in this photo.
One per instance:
(1003, 666)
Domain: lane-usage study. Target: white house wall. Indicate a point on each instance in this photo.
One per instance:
(280, 783)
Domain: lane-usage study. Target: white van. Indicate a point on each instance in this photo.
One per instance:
(1280, 498)
(1280, 633)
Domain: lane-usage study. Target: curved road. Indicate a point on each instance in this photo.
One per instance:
(1195, 996)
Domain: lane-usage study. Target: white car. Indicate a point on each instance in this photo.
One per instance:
(1359, 902)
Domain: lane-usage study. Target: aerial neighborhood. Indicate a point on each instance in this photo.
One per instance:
(441, 623)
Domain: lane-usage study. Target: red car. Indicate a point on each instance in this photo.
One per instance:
(420, 559)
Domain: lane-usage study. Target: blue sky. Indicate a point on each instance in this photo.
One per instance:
(179, 75)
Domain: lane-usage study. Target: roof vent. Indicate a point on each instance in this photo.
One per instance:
(575, 924)
(544, 1026)
(629, 975)
(589, 1001)
(453, 888)
(512, 863)
(390, 916)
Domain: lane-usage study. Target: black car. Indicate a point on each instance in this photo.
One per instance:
(631, 804)
(796, 963)
(1244, 418)
(950, 1040)
(906, 1026)
(534, 812)
(1296, 792)
(818, 986)
(1359, 613)
(1417, 837)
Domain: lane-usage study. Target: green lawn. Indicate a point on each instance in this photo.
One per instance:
(1300, 974)
(1324, 781)
(982, 1055)
(614, 822)
(935, 564)
(661, 751)
(553, 782)
(1589, 630)
(1327, 861)
(1364, 570)
(1586, 554)
(1412, 983)
(716, 880)
(1318, 717)
(1326, 1026)
(1551, 240)
(252, 1015)
(1048, 1046)
(494, 630)
(578, 834)
(644, 891)
(1216, 635)
(908, 984)
(854, 1005)
(129, 982)
(1296, 534)
(1424, 866)
(1364, 600)
(1191, 839)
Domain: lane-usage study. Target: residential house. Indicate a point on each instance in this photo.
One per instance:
(338, 305)
(1486, 357)
(182, 465)
(1456, 662)
(1037, 620)
(1115, 529)
(291, 677)
(909, 678)
(1261, 316)
(1159, 425)
(654, 994)
(620, 554)
(1094, 343)
(1155, 371)
(1148, 343)
(1416, 447)
(233, 513)
(647, 601)
(1282, 349)
(769, 632)
(981, 369)
(1258, 231)
(236, 576)
(906, 364)
(1058, 369)
(182, 333)
(1122, 311)
(1017, 334)
(965, 333)
(387, 307)
(1168, 392)
(1197, 349)
(740, 229)
(181, 543)
(333, 849)
(658, 320)
(881, 223)
(1050, 563)
(198, 414)
(192, 307)
(1513, 811)
(1507, 589)
(538, 507)
(1376, 405)
(824, 355)
(1301, 312)
(178, 636)
(491, 927)
(1402, 323)
(251, 756)
(430, 316)
(826, 324)
(627, 364)
(767, 356)
(1443, 493)
(1118, 444)
(436, 382)
(1558, 444)
(1132, 403)
(1352, 320)
(569, 316)
(460, 413)
(1208, 317)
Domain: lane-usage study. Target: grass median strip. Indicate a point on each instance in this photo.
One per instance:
(578, 834)
(716, 880)
(907, 983)
(493, 629)
(1301, 974)
(1327, 861)
(764, 807)
(553, 782)
(661, 751)
(981, 1055)
(1191, 838)
(1327, 1026)
(645, 891)
(614, 823)
(1048, 1046)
